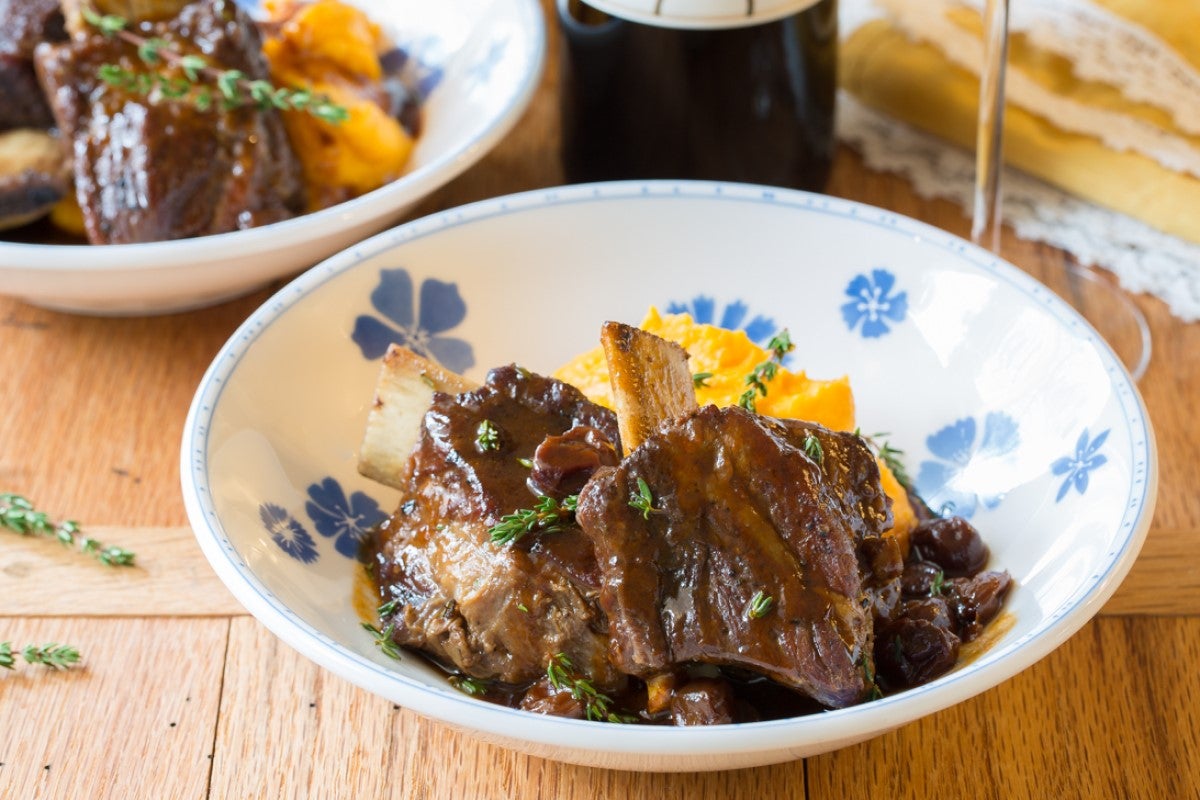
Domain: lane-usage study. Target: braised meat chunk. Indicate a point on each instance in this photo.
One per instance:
(499, 610)
(149, 171)
(747, 555)
(23, 24)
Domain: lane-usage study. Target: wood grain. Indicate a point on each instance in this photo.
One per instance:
(136, 721)
(1165, 579)
(1049, 732)
(171, 577)
(1056, 731)
(319, 731)
(93, 415)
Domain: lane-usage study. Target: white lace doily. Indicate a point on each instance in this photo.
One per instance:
(1104, 48)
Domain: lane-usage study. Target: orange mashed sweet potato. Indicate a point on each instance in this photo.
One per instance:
(730, 356)
(333, 49)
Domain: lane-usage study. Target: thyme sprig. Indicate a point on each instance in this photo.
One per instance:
(547, 516)
(889, 455)
(779, 346)
(643, 500)
(938, 584)
(597, 706)
(760, 605)
(700, 379)
(469, 685)
(812, 447)
(873, 690)
(487, 436)
(201, 84)
(52, 655)
(383, 640)
(18, 515)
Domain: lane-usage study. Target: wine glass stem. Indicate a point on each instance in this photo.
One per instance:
(985, 222)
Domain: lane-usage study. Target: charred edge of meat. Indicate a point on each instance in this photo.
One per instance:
(32, 176)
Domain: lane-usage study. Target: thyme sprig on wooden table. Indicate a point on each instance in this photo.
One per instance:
(200, 84)
(18, 515)
(52, 655)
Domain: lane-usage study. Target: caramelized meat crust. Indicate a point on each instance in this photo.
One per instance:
(740, 507)
(150, 171)
(496, 611)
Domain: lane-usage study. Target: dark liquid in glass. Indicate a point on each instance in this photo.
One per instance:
(753, 104)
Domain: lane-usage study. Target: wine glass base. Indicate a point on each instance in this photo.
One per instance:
(1108, 309)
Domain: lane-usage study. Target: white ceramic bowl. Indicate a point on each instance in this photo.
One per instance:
(1005, 401)
(478, 60)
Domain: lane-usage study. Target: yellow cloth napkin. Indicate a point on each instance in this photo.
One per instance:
(915, 82)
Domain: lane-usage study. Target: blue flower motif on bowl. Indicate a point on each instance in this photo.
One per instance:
(419, 64)
(873, 304)
(346, 520)
(481, 71)
(1076, 467)
(958, 449)
(703, 309)
(288, 533)
(418, 326)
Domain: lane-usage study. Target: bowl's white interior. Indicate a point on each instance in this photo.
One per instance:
(283, 406)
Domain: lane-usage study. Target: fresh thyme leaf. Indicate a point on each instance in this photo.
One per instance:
(874, 692)
(643, 500)
(115, 556)
(546, 516)
(55, 656)
(812, 447)
(700, 379)
(18, 515)
(329, 112)
(487, 436)
(192, 65)
(150, 50)
(760, 605)
(597, 706)
(468, 685)
(107, 24)
(779, 346)
(938, 584)
(388, 608)
(383, 640)
(524, 608)
(890, 456)
(527, 463)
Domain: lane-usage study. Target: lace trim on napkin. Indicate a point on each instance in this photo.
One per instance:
(1100, 35)
(1142, 258)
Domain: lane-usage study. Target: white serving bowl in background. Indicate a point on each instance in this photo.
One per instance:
(1006, 403)
(481, 60)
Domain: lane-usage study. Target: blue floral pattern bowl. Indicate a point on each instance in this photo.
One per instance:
(1008, 407)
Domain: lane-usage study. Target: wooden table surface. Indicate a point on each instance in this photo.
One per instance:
(183, 695)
